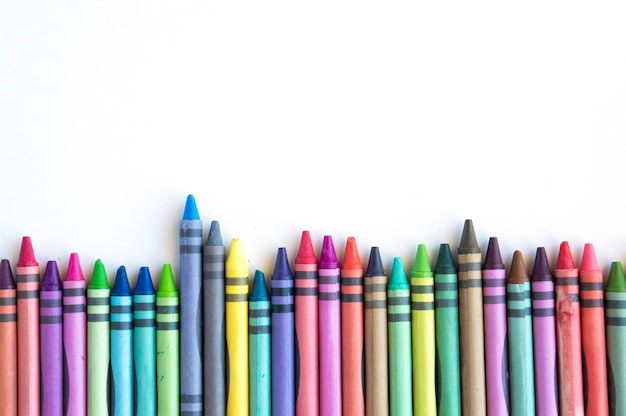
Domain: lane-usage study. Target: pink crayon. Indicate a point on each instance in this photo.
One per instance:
(74, 339)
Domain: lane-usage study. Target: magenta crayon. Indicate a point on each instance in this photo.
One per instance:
(74, 339)
(51, 330)
(8, 339)
(329, 330)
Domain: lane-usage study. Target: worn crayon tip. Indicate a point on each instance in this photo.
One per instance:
(617, 280)
(445, 262)
(541, 268)
(191, 210)
(351, 258)
(51, 279)
(493, 258)
(282, 271)
(421, 265)
(374, 264)
(589, 262)
(328, 257)
(259, 288)
(215, 235)
(398, 276)
(167, 285)
(518, 273)
(121, 287)
(27, 255)
(99, 278)
(306, 254)
(6, 275)
(144, 284)
(565, 259)
(236, 261)
(468, 243)
(74, 271)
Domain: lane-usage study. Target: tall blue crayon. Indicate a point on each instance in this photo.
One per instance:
(121, 346)
(144, 344)
(260, 349)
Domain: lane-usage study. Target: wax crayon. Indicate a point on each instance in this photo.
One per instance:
(144, 344)
(122, 391)
(328, 273)
(8, 339)
(351, 286)
(261, 358)
(74, 340)
(615, 307)
(28, 375)
(593, 337)
(520, 339)
(423, 334)
(494, 310)
(214, 322)
(236, 277)
(568, 337)
(98, 341)
(167, 345)
(375, 334)
(399, 333)
(190, 251)
(51, 337)
(544, 336)
(306, 322)
(448, 366)
(471, 329)
(282, 346)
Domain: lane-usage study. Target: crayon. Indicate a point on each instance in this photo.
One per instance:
(520, 339)
(74, 340)
(423, 334)
(544, 336)
(328, 273)
(261, 358)
(471, 330)
(167, 345)
(593, 337)
(375, 334)
(494, 310)
(214, 322)
(615, 307)
(8, 339)
(306, 321)
(282, 345)
(98, 341)
(448, 366)
(28, 375)
(190, 251)
(352, 377)
(51, 338)
(144, 344)
(237, 388)
(568, 337)
(121, 346)
(399, 333)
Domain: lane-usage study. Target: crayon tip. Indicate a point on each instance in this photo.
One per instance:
(445, 262)
(74, 272)
(589, 262)
(468, 242)
(259, 288)
(51, 279)
(351, 258)
(617, 280)
(27, 255)
(493, 258)
(144, 284)
(99, 278)
(565, 259)
(421, 265)
(167, 285)
(518, 273)
(541, 269)
(236, 261)
(215, 235)
(282, 271)
(328, 258)
(6, 275)
(191, 210)
(375, 264)
(306, 254)
(398, 276)
(121, 286)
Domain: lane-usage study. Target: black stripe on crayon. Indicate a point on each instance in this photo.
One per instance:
(398, 300)
(190, 232)
(615, 304)
(306, 291)
(418, 289)
(306, 275)
(167, 326)
(144, 323)
(566, 281)
(282, 308)
(542, 295)
(377, 287)
(470, 283)
(51, 319)
(167, 309)
(73, 308)
(259, 329)
(494, 282)
(97, 317)
(97, 301)
(259, 313)
(494, 300)
(445, 287)
(399, 317)
(74, 292)
(191, 398)
(9, 317)
(27, 278)
(213, 259)
(328, 280)
(236, 281)
(591, 286)
(121, 326)
(446, 303)
(592, 303)
(352, 281)
(615, 321)
(122, 309)
(543, 312)
(183, 413)
(27, 294)
(422, 306)
(351, 297)
(144, 306)
(282, 291)
(375, 304)
(10, 301)
(190, 249)
(514, 296)
(236, 297)
(516, 313)
(470, 267)
(328, 296)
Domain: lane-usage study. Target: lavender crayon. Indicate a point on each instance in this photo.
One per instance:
(51, 337)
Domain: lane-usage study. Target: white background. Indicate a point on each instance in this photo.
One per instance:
(389, 121)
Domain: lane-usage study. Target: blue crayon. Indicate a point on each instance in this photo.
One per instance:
(259, 329)
(144, 344)
(122, 345)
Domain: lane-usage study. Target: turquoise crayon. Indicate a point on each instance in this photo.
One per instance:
(121, 346)
(144, 344)
(260, 350)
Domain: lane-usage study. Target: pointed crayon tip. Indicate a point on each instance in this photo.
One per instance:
(144, 285)
(6, 275)
(236, 261)
(306, 254)
(421, 265)
(99, 278)
(565, 259)
(398, 276)
(493, 258)
(375, 264)
(468, 243)
(259, 288)
(445, 262)
(74, 271)
(282, 271)
(589, 262)
(167, 285)
(617, 280)
(328, 257)
(351, 258)
(518, 273)
(51, 279)
(191, 210)
(121, 287)
(541, 268)
(27, 255)
(215, 235)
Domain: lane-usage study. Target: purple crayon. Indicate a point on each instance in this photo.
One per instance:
(51, 338)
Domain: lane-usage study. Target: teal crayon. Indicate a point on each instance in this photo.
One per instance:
(122, 390)
(144, 344)
(615, 319)
(260, 350)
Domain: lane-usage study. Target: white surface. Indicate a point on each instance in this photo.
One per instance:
(391, 121)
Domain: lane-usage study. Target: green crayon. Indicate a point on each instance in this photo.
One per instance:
(615, 321)
(98, 342)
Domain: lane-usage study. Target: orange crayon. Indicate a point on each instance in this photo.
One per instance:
(8, 340)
